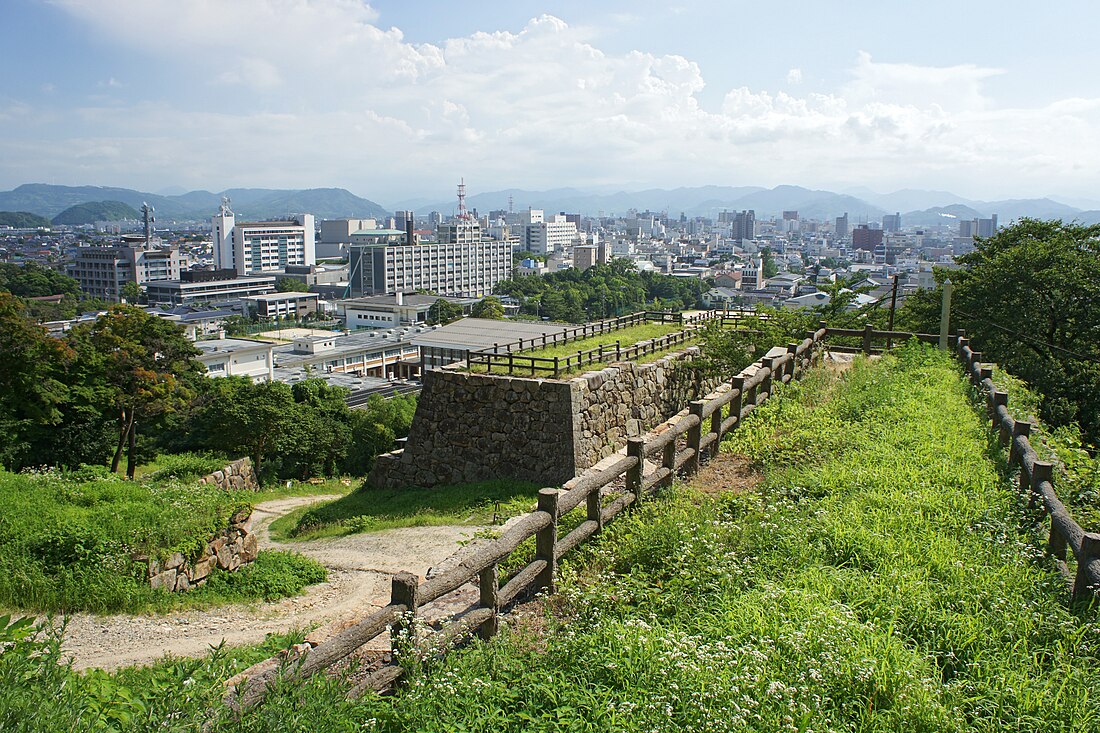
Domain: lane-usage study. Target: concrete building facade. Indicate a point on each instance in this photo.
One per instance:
(264, 246)
(102, 271)
(463, 268)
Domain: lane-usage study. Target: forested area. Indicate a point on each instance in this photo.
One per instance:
(602, 291)
(126, 387)
(1029, 299)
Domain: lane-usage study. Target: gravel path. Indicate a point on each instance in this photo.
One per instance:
(359, 568)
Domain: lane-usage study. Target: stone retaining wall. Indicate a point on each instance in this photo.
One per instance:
(478, 427)
(237, 475)
(231, 548)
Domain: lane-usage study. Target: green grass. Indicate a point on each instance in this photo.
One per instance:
(881, 578)
(626, 336)
(370, 510)
(74, 542)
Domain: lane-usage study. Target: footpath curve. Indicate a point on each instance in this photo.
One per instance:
(359, 568)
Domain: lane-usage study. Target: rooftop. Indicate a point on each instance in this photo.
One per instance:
(281, 296)
(230, 344)
(482, 333)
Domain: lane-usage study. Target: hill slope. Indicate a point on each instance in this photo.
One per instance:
(94, 211)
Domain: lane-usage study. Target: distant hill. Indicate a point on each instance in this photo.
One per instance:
(93, 211)
(22, 219)
(254, 203)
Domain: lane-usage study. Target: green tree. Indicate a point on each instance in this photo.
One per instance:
(767, 260)
(442, 312)
(145, 363)
(489, 307)
(290, 285)
(32, 280)
(31, 392)
(131, 292)
(260, 420)
(1029, 297)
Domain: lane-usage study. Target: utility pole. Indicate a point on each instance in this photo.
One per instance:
(893, 305)
(945, 312)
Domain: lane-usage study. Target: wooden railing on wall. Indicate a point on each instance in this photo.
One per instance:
(675, 450)
(507, 359)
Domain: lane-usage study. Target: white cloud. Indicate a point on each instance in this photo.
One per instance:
(321, 95)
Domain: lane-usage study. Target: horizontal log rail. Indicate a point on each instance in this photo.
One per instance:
(506, 358)
(1036, 478)
(684, 440)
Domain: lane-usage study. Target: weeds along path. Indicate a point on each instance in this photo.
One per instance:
(359, 568)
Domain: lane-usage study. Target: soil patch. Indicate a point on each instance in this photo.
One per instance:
(727, 472)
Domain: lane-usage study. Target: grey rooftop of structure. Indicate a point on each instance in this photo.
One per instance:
(473, 334)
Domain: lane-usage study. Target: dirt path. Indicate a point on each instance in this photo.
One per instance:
(359, 581)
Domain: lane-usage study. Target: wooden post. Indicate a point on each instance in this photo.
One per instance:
(769, 364)
(489, 585)
(511, 365)
(890, 321)
(716, 428)
(738, 402)
(547, 538)
(594, 508)
(557, 369)
(1042, 471)
(1084, 584)
(1019, 427)
(404, 590)
(668, 460)
(635, 447)
(618, 350)
(792, 349)
(695, 436)
(945, 313)
(867, 338)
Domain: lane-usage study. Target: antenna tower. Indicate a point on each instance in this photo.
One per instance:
(462, 212)
(510, 204)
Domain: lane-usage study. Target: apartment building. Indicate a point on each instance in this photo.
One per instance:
(205, 286)
(465, 267)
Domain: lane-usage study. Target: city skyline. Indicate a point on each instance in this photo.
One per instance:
(396, 100)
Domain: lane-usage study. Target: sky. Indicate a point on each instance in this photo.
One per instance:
(399, 99)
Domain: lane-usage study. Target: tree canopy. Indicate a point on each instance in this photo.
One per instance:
(32, 280)
(443, 312)
(1029, 298)
(489, 307)
(601, 291)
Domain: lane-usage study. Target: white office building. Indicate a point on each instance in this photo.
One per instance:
(264, 246)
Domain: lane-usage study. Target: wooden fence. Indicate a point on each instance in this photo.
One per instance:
(1036, 479)
(504, 359)
(649, 463)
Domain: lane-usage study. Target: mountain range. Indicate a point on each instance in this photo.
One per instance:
(253, 203)
(917, 207)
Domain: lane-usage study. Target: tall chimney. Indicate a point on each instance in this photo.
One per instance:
(410, 236)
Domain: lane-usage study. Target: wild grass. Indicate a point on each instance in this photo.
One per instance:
(372, 510)
(882, 578)
(1077, 468)
(72, 542)
(626, 336)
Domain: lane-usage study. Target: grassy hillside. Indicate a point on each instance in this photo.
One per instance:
(22, 219)
(75, 542)
(879, 577)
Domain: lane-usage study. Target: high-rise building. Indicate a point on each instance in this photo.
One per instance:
(263, 246)
(840, 228)
(987, 227)
(790, 216)
(864, 237)
(891, 222)
(554, 234)
(384, 262)
(744, 225)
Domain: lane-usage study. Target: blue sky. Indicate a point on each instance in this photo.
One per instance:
(397, 99)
